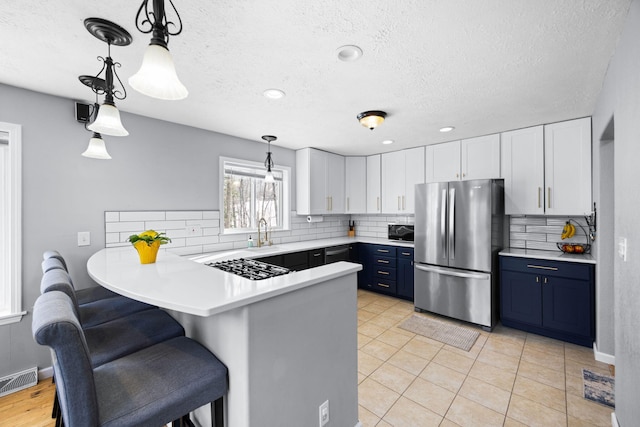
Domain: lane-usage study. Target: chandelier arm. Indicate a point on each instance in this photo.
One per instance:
(146, 21)
(117, 93)
(167, 23)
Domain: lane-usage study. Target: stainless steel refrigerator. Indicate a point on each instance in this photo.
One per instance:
(459, 230)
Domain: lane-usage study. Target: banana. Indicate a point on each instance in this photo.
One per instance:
(568, 231)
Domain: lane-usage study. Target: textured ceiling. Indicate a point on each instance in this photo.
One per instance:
(481, 66)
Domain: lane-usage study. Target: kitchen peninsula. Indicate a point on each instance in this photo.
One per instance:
(289, 342)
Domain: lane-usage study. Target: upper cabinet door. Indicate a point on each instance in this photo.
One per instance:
(356, 185)
(523, 171)
(480, 157)
(392, 181)
(443, 162)
(319, 182)
(567, 152)
(414, 174)
(335, 175)
(374, 181)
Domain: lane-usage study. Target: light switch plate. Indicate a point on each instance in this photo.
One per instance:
(622, 248)
(84, 238)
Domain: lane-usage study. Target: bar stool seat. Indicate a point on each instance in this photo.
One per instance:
(151, 387)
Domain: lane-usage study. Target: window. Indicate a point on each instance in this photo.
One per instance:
(10, 224)
(246, 197)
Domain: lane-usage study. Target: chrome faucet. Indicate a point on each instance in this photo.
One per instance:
(266, 232)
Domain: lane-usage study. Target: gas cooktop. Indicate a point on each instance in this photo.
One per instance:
(249, 268)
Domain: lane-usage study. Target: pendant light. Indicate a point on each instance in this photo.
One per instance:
(108, 120)
(157, 76)
(268, 163)
(97, 149)
(371, 119)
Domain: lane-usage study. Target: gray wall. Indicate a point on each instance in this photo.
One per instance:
(159, 166)
(620, 99)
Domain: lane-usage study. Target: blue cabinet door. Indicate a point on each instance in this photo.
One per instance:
(567, 305)
(405, 273)
(521, 297)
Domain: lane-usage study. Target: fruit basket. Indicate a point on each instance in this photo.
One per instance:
(574, 248)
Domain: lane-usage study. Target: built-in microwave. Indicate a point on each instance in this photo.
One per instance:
(401, 232)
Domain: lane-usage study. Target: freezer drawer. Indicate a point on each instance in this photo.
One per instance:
(460, 294)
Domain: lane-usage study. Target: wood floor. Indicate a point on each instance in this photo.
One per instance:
(30, 407)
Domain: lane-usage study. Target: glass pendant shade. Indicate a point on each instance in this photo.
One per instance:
(108, 122)
(96, 149)
(157, 76)
(268, 177)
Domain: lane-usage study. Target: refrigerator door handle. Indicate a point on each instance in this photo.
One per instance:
(443, 223)
(452, 223)
(449, 272)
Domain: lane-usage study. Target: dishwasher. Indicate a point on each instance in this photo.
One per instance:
(336, 253)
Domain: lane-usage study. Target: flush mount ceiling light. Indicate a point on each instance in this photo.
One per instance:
(268, 163)
(273, 93)
(371, 119)
(108, 119)
(447, 129)
(157, 76)
(349, 53)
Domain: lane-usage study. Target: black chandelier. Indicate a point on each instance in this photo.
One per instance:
(107, 120)
(268, 163)
(157, 76)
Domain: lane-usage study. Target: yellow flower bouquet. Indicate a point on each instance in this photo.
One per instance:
(147, 244)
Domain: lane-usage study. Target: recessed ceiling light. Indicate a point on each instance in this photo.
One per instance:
(349, 53)
(273, 93)
(447, 129)
(387, 141)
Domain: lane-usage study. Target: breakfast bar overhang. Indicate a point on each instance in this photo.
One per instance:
(289, 341)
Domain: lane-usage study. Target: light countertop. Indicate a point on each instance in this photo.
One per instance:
(284, 248)
(179, 283)
(548, 255)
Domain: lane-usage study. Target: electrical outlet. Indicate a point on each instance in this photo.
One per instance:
(622, 248)
(194, 230)
(84, 238)
(324, 414)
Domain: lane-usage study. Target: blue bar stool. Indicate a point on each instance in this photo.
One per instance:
(151, 387)
(53, 259)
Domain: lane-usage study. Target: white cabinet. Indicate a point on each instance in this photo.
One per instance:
(443, 162)
(547, 169)
(567, 167)
(473, 158)
(320, 179)
(374, 182)
(356, 185)
(480, 157)
(401, 171)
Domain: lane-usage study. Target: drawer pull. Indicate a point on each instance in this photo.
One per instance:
(542, 267)
(383, 261)
(385, 273)
(384, 251)
(318, 254)
(383, 285)
(406, 253)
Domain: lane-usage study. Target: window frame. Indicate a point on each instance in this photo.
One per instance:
(286, 194)
(12, 207)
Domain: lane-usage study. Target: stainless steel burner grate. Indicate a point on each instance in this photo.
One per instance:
(250, 268)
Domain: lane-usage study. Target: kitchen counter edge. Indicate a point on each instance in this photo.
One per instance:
(548, 255)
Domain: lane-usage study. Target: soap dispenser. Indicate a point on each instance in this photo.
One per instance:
(250, 242)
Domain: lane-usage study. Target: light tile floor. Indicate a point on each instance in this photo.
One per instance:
(509, 377)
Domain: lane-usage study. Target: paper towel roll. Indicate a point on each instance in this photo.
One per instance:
(314, 218)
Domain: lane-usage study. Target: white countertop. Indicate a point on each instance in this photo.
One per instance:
(549, 255)
(284, 248)
(178, 283)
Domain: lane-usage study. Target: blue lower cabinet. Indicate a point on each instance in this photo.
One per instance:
(550, 298)
(387, 269)
(405, 273)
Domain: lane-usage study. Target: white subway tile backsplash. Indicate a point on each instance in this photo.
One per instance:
(184, 215)
(111, 216)
(204, 223)
(211, 215)
(539, 232)
(142, 216)
(133, 227)
(165, 225)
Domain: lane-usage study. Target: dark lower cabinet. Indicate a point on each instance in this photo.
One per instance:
(387, 269)
(551, 298)
(405, 273)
